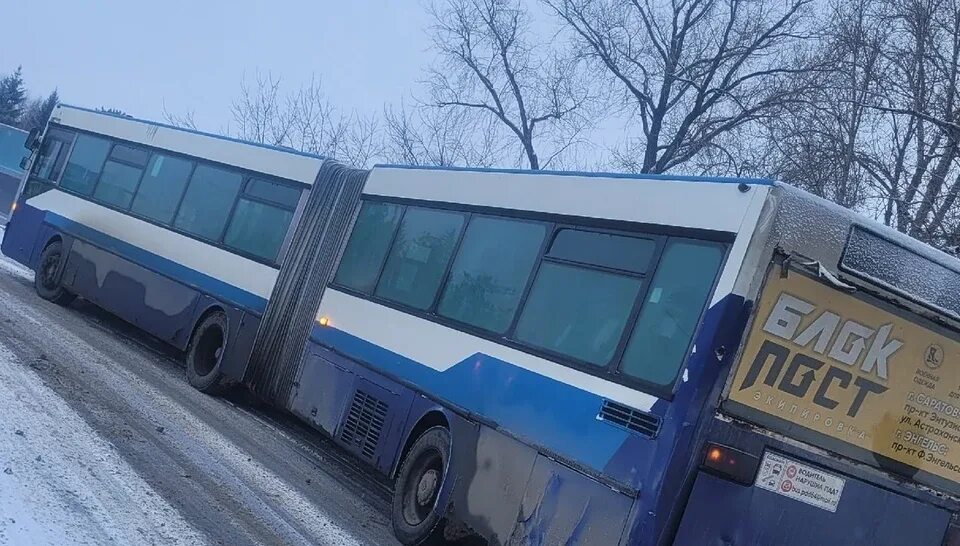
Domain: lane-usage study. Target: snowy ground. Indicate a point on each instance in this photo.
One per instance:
(62, 483)
(102, 441)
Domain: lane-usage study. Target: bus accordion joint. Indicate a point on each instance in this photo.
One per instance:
(732, 464)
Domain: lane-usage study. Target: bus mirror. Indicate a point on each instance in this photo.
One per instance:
(24, 162)
(33, 140)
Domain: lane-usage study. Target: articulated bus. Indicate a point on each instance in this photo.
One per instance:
(535, 358)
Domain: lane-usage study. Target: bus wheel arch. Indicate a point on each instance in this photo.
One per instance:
(55, 238)
(206, 350)
(421, 480)
(48, 280)
(433, 417)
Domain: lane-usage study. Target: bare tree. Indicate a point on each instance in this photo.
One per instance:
(186, 120)
(490, 63)
(915, 169)
(818, 141)
(691, 71)
(259, 112)
(426, 135)
(360, 143)
(303, 120)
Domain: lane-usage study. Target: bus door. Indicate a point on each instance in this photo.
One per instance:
(856, 379)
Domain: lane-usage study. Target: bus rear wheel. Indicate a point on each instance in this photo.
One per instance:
(205, 354)
(47, 279)
(416, 511)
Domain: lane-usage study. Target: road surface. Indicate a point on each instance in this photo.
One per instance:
(102, 441)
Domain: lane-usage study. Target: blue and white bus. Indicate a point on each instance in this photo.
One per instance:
(537, 358)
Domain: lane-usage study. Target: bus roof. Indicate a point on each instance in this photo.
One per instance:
(632, 176)
(274, 160)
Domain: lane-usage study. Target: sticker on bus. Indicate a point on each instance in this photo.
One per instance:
(800, 482)
(832, 362)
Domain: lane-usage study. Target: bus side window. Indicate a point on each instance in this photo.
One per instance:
(672, 310)
(53, 154)
(419, 256)
(490, 272)
(83, 168)
(581, 299)
(368, 245)
(161, 188)
(207, 202)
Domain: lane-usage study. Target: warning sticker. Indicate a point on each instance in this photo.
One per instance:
(799, 481)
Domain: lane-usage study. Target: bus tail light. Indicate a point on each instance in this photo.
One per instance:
(730, 463)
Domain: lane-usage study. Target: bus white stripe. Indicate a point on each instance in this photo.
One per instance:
(241, 272)
(442, 347)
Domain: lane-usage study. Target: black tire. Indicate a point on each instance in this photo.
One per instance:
(415, 514)
(48, 276)
(205, 353)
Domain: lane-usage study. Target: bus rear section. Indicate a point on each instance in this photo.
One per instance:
(840, 423)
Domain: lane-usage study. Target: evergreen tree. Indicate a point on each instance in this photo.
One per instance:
(13, 98)
(38, 111)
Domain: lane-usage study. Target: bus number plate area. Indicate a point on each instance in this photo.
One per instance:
(846, 374)
(800, 482)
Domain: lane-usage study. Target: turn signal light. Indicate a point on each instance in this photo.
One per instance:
(323, 321)
(730, 463)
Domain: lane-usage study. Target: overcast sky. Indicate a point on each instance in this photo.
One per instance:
(185, 55)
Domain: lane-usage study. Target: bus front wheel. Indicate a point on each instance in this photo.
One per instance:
(47, 279)
(416, 511)
(205, 354)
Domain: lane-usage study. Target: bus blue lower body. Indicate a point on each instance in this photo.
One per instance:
(153, 293)
(500, 485)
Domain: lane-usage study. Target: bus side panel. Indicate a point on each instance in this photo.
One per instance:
(563, 506)
(154, 303)
(320, 393)
(491, 471)
(22, 234)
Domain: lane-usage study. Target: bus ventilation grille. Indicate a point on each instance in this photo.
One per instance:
(629, 418)
(364, 423)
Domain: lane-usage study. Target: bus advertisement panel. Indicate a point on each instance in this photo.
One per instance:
(822, 359)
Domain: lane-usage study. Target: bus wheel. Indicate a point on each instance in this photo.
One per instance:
(46, 280)
(205, 354)
(416, 517)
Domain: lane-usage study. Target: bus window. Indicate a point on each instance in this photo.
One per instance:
(672, 310)
(83, 168)
(207, 203)
(577, 311)
(490, 272)
(367, 249)
(280, 194)
(50, 161)
(419, 257)
(258, 228)
(161, 188)
(120, 176)
(603, 249)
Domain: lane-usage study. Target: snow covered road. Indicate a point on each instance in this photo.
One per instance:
(102, 441)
